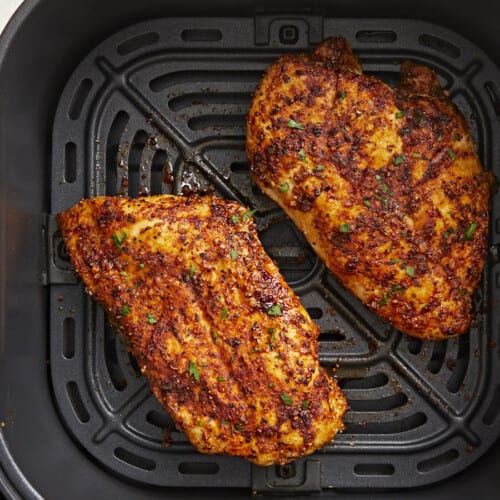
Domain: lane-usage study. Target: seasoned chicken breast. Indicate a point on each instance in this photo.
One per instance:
(224, 342)
(384, 182)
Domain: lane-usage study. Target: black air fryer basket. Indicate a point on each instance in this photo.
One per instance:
(116, 98)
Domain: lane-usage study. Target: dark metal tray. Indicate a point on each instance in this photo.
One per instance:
(160, 108)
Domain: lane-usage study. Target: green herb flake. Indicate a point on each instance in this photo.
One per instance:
(393, 289)
(218, 298)
(470, 231)
(378, 177)
(448, 233)
(341, 94)
(215, 335)
(368, 203)
(118, 240)
(397, 160)
(224, 422)
(248, 214)
(193, 371)
(141, 265)
(394, 261)
(305, 404)
(223, 314)
(451, 154)
(294, 124)
(385, 187)
(400, 114)
(286, 399)
(238, 427)
(275, 310)
(192, 270)
(284, 187)
(344, 228)
(220, 378)
(151, 319)
(404, 234)
(416, 155)
(271, 340)
(319, 168)
(270, 385)
(235, 219)
(233, 254)
(301, 154)
(410, 271)
(125, 310)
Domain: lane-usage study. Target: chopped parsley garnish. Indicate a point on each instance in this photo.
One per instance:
(397, 160)
(286, 399)
(193, 371)
(394, 261)
(192, 270)
(378, 177)
(284, 187)
(305, 404)
(248, 214)
(271, 340)
(218, 297)
(270, 385)
(368, 203)
(141, 265)
(410, 271)
(224, 422)
(448, 233)
(400, 114)
(118, 240)
(301, 154)
(416, 155)
(344, 228)
(451, 153)
(319, 168)
(215, 335)
(235, 219)
(470, 231)
(294, 124)
(393, 289)
(385, 187)
(342, 94)
(223, 314)
(275, 310)
(151, 319)
(125, 310)
(233, 254)
(220, 378)
(238, 427)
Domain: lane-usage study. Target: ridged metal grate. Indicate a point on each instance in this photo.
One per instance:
(160, 108)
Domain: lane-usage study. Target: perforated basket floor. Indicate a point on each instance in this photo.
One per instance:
(160, 108)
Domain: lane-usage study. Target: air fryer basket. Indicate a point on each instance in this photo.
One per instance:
(159, 107)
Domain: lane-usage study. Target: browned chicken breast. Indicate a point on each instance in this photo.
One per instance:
(224, 342)
(385, 183)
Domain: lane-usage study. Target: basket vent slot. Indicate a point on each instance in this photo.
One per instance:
(376, 36)
(374, 469)
(390, 427)
(493, 410)
(68, 337)
(437, 359)
(111, 359)
(201, 35)
(79, 98)
(76, 401)
(137, 42)
(383, 404)
(159, 419)
(158, 166)
(443, 46)
(134, 460)
(114, 154)
(370, 382)
(70, 162)
(315, 312)
(438, 461)
(460, 366)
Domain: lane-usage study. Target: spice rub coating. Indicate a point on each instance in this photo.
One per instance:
(227, 347)
(384, 182)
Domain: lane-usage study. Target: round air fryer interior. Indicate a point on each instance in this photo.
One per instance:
(160, 107)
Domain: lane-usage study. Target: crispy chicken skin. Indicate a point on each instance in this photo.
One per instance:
(384, 182)
(228, 349)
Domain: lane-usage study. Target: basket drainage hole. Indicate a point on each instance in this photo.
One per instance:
(137, 42)
(315, 312)
(76, 401)
(440, 45)
(438, 461)
(70, 162)
(374, 469)
(201, 35)
(68, 338)
(135, 460)
(159, 419)
(376, 36)
(204, 468)
(493, 409)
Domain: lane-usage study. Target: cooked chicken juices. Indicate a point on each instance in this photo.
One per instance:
(385, 183)
(228, 349)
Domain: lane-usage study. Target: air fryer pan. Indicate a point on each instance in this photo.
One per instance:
(160, 108)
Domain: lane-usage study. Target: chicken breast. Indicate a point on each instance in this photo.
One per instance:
(227, 348)
(384, 182)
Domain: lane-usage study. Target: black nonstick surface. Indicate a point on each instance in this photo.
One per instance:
(159, 107)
